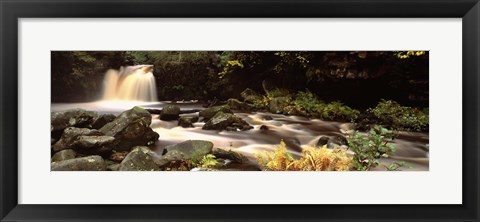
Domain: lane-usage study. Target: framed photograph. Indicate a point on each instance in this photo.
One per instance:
(228, 110)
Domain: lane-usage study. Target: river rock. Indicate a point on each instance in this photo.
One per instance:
(187, 121)
(322, 141)
(71, 118)
(141, 158)
(93, 144)
(339, 140)
(229, 154)
(170, 112)
(63, 155)
(226, 121)
(268, 118)
(171, 156)
(70, 136)
(235, 104)
(89, 163)
(250, 96)
(113, 167)
(101, 120)
(263, 127)
(191, 148)
(294, 144)
(277, 105)
(210, 112)
(131, 128)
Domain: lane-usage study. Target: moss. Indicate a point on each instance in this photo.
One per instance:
(138, 108)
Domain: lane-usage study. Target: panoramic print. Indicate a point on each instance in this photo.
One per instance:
(239, 111)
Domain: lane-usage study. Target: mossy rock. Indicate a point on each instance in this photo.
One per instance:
(101, 120)
(71, 118)
(71, 135)
(141, 158)
(64, 155)
(210, 112)
(235, 104)
(226, 121)
(230, 155)
(191, 148)
(250, 96)
(131, 128)
(187, 121)
(88, 163)
(170, 112)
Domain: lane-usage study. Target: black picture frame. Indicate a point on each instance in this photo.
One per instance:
(12, 10)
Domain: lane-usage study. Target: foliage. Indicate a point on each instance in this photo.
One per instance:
(307, 101)
(208, 161)
(393, 115)
(408, 54)
(278, 160)
(396, 166)
(231, 66)
(312, 159)
(203, 161)
(339, 111)
(370, 148)
(277, 92)
(261, 103)
(289, 60)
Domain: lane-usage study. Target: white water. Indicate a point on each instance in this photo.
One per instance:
(132, 83)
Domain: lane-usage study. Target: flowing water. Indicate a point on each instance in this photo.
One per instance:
(135, 86)
(296, 131)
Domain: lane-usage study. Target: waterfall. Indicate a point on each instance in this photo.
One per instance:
(131, 83)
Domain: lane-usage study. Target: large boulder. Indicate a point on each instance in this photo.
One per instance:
(250, 96)
(170, 112)
(141, 158)
(102, 119)
(89, 163)
(277, 105)
(71, 118)
(70, 137)
(210, 112)
(235, 104)
(226, 121)
(190, 149)
(131, 128)
(63, 155)
(187, 121)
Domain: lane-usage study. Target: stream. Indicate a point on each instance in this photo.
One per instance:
(296, 131)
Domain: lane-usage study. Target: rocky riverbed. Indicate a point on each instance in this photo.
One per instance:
(186, 136)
